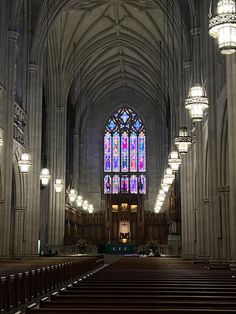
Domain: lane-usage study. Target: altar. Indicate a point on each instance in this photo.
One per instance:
(120, 248)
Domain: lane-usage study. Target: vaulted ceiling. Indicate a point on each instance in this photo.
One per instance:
(104, 45)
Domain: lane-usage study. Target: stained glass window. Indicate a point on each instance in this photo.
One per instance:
(133, 184)
(141, 153)
(125, 153)
(133, 152)
(107, 184)
(116, 184)
(116, 152)
(107, 152)
(142, 184)
(124, 184)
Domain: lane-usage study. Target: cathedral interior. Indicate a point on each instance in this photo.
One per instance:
(117, 134)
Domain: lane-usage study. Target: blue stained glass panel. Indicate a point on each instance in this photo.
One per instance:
(111, 125)
(138, 125)
(124, 117)
(133, 184)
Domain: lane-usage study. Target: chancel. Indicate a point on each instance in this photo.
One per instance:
(118, 142)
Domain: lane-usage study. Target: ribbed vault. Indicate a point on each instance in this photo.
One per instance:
(105, 45)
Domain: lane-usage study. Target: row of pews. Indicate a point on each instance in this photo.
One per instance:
(143, 285)
(23, 281)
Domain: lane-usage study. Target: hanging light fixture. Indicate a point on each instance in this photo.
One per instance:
(1, 139)
(79, 201)
(174, 161)
(223, 26)
(90, 208)
(44, 176)
(183, 141)
(85, 205)
(58, 186)
(157, 209)
(159, 203)
(197, 103)
(72, 195)
(161, 198)
(165, 187)
(24, 163)
(168, 177)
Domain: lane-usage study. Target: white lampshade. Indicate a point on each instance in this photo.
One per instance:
(44, 176)
(223, 26)
(72, 195)
(168, 177)
(196, 103)
(159, 203)
(90, 208)
(183, 141)
(161, 198)
(58, 186)
(85, 205)
(174, 161)
(24, 163)
(79, 200)
(165, 187)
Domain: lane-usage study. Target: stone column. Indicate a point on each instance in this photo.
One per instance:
(231, 95)
(18, 223)
(199, 191)
(34, 148)
(7, 149)
(57, 149)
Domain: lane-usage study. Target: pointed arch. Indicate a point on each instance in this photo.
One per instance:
(124, 153)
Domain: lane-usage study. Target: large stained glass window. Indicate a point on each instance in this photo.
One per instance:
(125, 154)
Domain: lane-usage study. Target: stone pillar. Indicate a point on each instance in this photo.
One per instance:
(231, 95)
(18, 223)
(7, 149)
(57, 149)
(34, 148)
(199, 192)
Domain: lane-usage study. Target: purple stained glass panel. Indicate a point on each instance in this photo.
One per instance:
(116, 152)
(142, 184)
(133, 184)
(124, 184)
(107, 184)
(124, 152)
(107, 152)
(141, 153)
(133, 152)
(116, 185)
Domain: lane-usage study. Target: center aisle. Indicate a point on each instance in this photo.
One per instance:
(143, 285)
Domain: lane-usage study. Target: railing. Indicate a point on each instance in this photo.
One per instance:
(71, 250)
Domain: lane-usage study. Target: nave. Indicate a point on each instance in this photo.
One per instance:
(143, 285)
